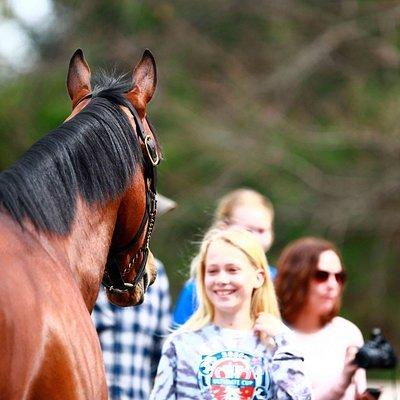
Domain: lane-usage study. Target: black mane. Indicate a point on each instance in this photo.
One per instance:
(94, 154)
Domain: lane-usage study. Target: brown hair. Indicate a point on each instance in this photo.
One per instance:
(296, 266)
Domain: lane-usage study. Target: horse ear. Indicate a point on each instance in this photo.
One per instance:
(144, 79)
(78, 79)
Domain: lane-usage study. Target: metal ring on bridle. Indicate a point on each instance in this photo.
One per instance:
(153, 156)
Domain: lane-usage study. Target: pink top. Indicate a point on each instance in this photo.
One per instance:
(324, 353)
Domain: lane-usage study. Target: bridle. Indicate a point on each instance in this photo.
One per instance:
(113, 280)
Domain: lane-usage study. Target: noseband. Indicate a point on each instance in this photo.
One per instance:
(113, 280)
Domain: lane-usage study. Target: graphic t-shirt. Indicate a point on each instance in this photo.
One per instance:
(226, 364)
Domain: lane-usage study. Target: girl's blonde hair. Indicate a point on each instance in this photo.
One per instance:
(263, 298)
(241, 197)
(227, 204)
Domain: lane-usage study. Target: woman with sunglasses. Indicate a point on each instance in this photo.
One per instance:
(309, 286)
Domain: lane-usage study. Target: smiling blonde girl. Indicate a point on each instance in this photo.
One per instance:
(235, 345)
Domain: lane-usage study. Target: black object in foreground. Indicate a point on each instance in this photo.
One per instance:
(376, 353)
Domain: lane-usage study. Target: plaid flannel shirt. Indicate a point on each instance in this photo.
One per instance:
(131, 339)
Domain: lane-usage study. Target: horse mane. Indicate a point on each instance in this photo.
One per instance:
(93, 155)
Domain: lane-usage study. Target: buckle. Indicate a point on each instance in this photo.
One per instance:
(151, 150)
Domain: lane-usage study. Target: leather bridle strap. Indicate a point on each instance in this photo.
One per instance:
(113, 280)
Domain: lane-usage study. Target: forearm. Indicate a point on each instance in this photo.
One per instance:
(350, 375)
(336, 389)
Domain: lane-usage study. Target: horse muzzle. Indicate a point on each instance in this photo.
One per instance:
(136, 295)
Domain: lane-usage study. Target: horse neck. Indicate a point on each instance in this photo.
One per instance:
(86, 248)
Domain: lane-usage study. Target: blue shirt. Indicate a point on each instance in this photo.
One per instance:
(131, 339)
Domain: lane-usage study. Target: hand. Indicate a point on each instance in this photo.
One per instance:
(267, 325)
(368, 396)
(350, 367)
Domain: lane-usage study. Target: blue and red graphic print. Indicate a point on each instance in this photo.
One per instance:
(233, 375)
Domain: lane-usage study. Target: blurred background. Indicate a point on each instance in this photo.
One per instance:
(299, 100)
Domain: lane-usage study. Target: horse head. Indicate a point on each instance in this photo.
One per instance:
(130, 267)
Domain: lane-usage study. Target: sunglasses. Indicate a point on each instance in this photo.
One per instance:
(322, 276)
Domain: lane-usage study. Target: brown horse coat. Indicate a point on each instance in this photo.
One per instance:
(49, 279)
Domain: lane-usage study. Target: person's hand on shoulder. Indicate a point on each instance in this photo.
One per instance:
(267, 325)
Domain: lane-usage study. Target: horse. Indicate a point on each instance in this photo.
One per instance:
(76, 209)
